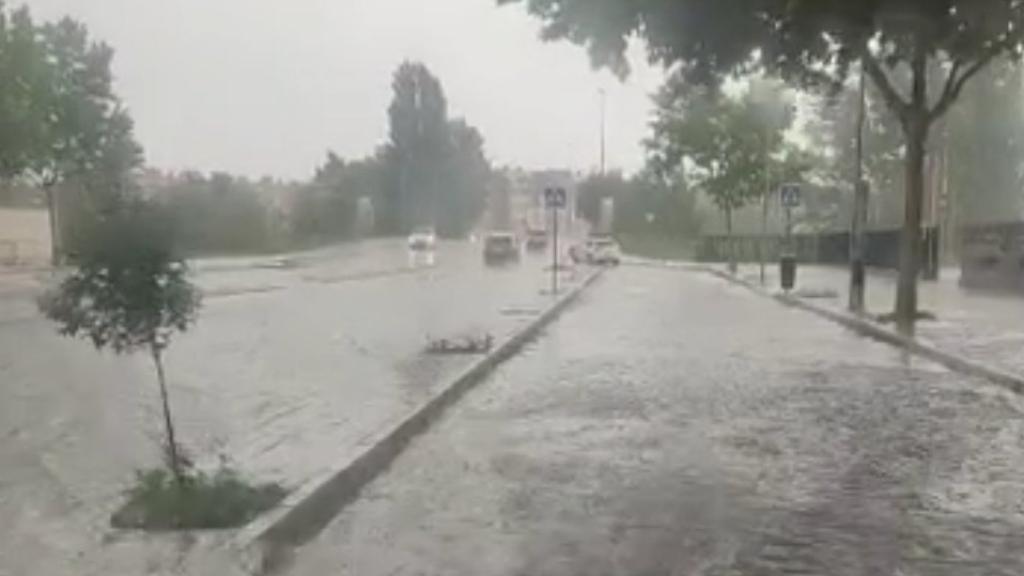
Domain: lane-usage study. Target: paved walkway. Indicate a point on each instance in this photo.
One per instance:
(677, 424)
(982, 326)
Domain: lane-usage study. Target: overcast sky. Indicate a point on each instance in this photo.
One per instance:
(267, 86)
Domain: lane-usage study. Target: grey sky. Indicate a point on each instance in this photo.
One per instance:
(267, 86)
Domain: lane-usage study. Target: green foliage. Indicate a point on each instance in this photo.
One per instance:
(86, 132)
(832, 131)
(221, 214)
(325, 210)
(813, 42)
(60, 121)
(645, 205)
(438, 173)
(23, 92)
(468, 176)
(157, 501)
(128, 290)
(724, 144)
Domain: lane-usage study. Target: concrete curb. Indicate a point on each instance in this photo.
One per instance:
(871, 329)
(266, 544)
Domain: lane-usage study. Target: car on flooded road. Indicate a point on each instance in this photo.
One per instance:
(536, 239)
(501, 248)
(423, 238)
(599, 250)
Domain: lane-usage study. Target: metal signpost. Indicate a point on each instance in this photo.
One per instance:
(554, 200)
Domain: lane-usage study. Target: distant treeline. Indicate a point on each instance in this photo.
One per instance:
(431, 172)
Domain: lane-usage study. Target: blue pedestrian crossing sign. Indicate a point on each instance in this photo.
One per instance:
(554, 198)
(789, 194)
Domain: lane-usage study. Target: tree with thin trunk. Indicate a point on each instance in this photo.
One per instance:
(814, 42)
(727, 142)
(129, 292)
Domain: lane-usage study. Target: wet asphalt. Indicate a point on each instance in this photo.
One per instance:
(295, 364)
(674, 424)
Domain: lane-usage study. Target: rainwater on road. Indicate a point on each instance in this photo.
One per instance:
(294, 365)
(675, 424)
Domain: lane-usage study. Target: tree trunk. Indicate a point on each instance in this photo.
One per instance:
(172, 443)
(51, 211)
(910, 242)
(915, 129)
(730, 241)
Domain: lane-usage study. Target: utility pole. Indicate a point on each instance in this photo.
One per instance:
(860, 210)
(604, 98)
(554, 200)
(764, 205)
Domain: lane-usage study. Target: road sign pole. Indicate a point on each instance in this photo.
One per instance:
(554, 251)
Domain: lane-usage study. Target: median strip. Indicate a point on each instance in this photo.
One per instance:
(266, 544)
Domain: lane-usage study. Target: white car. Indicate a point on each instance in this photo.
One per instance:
(422, 239)
(602, 250)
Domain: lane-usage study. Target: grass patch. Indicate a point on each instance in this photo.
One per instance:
(157, 502)
(657, 247)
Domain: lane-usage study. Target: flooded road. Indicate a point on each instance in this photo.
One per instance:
(675, 424)
(292, 366)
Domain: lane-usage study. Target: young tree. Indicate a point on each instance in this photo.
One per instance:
(727, 144)
(814, 43)
(129, 292)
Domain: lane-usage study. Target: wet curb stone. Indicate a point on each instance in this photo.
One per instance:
(871, 329)
(267, 543)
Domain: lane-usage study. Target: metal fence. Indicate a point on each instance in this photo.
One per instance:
(882, 249)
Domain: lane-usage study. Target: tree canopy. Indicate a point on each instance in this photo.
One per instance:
(724, 143)
(129, 289)
(814, 42)
(60, 120)
(23, 93)
(440, 173)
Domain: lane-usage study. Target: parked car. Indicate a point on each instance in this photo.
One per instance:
(536, 239)
(500, 247)
(602, 250)
(422, 239)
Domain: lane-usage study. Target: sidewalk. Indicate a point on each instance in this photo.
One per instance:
(668, 426)
(981, 326)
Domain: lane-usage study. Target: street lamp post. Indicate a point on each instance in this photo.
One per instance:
(764, 205)
(604, 103)
(860, 211)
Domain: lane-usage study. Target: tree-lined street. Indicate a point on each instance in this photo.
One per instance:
(364, 308)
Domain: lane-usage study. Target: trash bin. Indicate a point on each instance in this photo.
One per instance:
(787, 271)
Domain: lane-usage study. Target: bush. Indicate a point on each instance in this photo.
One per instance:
(158, 502)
